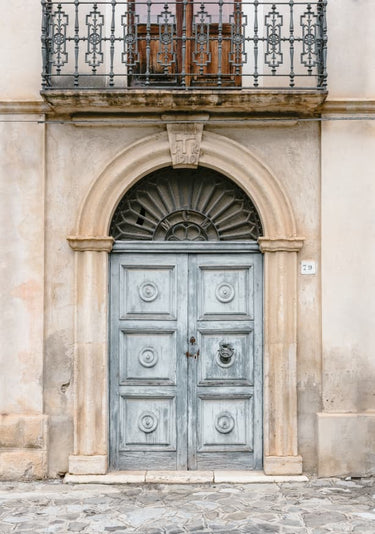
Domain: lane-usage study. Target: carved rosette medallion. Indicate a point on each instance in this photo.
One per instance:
(148, 357)
(225, 292)
(147, 422)
(224, 422)
(148, 291)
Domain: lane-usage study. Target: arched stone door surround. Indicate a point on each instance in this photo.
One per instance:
(280, 246)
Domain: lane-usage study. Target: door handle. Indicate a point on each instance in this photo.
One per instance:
(193, 351)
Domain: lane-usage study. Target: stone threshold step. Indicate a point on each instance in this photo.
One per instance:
(183, 477)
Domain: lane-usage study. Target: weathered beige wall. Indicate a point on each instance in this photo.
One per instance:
(351, 48)
(348, 285)
(21, 296)
(20, 47)
(37, 289)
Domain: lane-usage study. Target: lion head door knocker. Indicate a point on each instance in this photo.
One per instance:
(225, 354)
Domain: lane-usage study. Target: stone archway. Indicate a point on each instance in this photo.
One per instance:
(280, 246)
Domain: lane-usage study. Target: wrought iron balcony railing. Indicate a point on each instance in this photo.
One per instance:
(185, 44)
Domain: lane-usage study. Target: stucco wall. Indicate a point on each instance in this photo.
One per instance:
(348, 292)
(21, 296)
(351, 48)
(21, 61)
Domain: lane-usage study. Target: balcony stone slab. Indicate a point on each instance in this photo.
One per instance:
(244, 101)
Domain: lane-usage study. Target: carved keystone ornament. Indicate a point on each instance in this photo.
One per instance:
(185, 142)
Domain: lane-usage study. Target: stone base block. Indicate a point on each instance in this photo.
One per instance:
(88, 465)
(346, 444)
(283, 465)
(23, 446)
(18, 431)
(23, 464)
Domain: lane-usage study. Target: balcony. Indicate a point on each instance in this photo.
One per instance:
(186, 53)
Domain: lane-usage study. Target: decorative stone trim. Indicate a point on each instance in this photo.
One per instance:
(345, 106)
(281, 244)
(96, 244)
(24, 107)
(185, 139)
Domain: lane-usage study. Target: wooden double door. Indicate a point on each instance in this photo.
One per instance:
(186, 353)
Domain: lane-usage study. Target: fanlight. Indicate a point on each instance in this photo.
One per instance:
(185, 205)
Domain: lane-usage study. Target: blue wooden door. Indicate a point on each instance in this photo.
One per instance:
(185, 378)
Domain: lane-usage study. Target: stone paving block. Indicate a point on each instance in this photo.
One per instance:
(77, 527)
(322, 519)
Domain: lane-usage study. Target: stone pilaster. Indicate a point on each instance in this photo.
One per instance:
(280, 356)
(91, 369)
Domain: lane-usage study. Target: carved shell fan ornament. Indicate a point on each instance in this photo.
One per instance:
(186, 205)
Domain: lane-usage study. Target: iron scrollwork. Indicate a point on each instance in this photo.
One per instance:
(274, 23)
(183, 43)
(94, 55)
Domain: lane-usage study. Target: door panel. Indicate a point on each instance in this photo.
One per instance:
(147, 357)
(148, 291)
(170, 411)
(148, 423)
(148, 326)
(225, 290)
(227, 407)
(223, 421)
(218, 364)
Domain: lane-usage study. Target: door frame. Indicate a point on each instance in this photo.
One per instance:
(91, 243)
(206, 247)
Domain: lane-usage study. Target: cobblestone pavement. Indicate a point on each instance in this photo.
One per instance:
(315, 507)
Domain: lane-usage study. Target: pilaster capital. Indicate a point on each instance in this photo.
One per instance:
(281, 244)
(91, 243)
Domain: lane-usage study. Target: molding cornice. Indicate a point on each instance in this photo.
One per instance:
(340, 105)
(91, 243)
(281, 244)
(24, 107)
(223, 101)
(348, 105)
